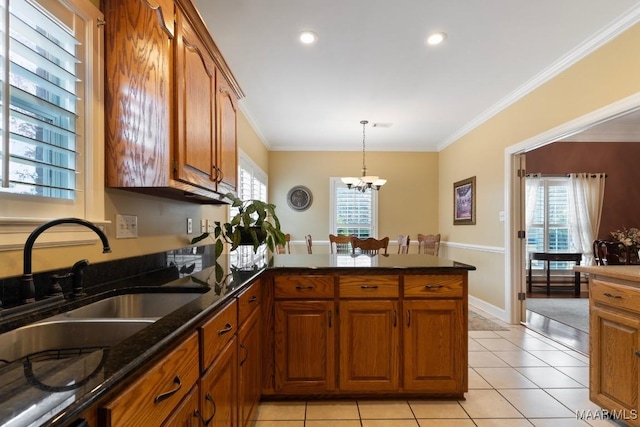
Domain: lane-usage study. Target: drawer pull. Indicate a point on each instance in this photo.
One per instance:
(368, 286)
(433, 286)
(330, 318)
(159, 398)
(304, 288)
(395, 318)
(227, 328)
(408, 318)
(638, 353)
(209, 399)
(608, 295)
(253, 299)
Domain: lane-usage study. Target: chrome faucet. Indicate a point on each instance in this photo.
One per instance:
(27, 289)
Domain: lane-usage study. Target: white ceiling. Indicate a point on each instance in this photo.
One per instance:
(371, 62)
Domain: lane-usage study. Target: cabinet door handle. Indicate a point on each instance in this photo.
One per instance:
(159, 398)
(330, 319)
(608, 295)
(208, 398)
(246, 354)
(304, 288)
(432, 286)
(395, 318)
(227, 328)
(638, 353)
(408, 318)
(253, 299)
(368, 286)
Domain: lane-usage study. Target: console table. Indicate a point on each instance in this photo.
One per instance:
(556, 256)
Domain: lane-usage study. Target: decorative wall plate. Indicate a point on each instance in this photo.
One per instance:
(299, 198)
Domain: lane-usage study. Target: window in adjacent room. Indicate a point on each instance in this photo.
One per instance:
(353, 212)
(548, 227)
(51, 114)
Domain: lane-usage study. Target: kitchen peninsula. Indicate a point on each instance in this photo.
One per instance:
(283, 326)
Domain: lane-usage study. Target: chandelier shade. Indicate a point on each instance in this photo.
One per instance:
(364, 182)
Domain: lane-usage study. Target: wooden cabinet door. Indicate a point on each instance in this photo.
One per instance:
(187, 413)
(369, 345)
(434, 346)
(613, 374)
(304, 346)
(195, 78)
(227, 152)
(219, 398)
(138, 92)
(249, 367)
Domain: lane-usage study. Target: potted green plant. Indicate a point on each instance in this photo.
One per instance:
(255, 223)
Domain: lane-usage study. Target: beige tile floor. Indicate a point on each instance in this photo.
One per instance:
(517, 378)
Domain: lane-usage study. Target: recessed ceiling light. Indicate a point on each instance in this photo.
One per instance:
(436, 38)
(308, 37)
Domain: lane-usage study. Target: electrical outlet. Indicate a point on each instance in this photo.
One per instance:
(126, 226)
(203, 226)
(189, 225)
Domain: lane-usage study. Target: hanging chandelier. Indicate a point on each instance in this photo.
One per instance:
(364, 182)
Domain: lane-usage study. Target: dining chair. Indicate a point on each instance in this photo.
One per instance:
(429, 243)
(370, 245)
(307, 239)
(340, 244)
(403, 244)
(281, 249)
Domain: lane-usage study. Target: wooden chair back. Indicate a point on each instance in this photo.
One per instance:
(281, 249)
(370, 245)
(340, 244)
(429, 244)
(403, 244)
(308, 241)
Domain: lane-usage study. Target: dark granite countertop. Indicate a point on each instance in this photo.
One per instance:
(52, 391)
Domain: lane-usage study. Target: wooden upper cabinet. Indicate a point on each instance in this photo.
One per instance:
(195, 107)
(138, 93)
(171, 103)
(227, 153)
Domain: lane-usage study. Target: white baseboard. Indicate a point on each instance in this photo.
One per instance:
(489, 308)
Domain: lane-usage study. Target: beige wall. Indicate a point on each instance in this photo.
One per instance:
(407, 203)
(608, 75)
(161, 222)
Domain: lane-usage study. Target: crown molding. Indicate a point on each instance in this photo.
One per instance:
(617, 27)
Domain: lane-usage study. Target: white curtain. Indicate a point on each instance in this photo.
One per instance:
(586, 194)
(532, 186)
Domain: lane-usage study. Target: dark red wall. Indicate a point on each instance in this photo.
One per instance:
(619, 160)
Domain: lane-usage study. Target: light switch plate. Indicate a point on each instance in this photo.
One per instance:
(126, 226)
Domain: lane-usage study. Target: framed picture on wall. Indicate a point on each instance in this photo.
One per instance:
(464, 201)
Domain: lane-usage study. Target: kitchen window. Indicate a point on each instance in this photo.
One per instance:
(352, 211)
(51, 115)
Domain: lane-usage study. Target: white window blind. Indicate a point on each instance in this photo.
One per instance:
(51, 118)
(41, 91)
(353, 212)
(550, 229)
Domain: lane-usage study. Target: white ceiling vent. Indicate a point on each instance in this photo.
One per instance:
(382, 125)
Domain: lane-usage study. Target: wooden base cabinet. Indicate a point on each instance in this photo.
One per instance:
(433, 349)
(304, 346)
(614, 336)
(249, 367)
(219, 396)
(369, 346)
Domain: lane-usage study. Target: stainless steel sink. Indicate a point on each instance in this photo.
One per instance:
(66, 335)
(133, 306)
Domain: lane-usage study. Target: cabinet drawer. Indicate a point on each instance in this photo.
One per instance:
(433, 286)
(304, 287)
(149, 400)
(217, 332)
(615, 295)
(369, 287)
(248, 301)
